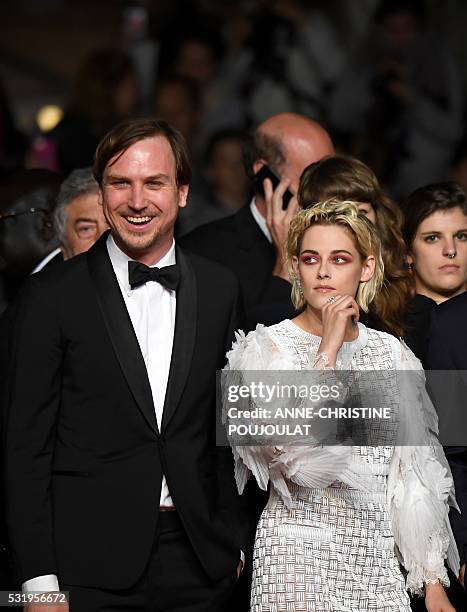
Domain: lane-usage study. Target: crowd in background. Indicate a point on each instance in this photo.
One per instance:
(395, 109)
(397, 102)
(231, 67)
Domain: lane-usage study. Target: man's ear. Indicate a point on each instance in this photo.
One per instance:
(258, 164)
(183, 195)
(368, 269)
(100, 197)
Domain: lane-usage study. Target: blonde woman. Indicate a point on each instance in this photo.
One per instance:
(323, 543)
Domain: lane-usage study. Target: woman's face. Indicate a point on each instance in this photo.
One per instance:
(439, 254)
(367, 209)
(329, 264)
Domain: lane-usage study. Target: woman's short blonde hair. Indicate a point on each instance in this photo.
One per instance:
(344, 213)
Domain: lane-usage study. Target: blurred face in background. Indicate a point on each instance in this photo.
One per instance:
(365, 208)
(400, 31)
(196, 61)
(438, 255)
(176, 105)
(125, 95)
(225, 171)
(85, 223)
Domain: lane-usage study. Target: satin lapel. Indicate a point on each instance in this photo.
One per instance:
(120, 329)
(184, 337)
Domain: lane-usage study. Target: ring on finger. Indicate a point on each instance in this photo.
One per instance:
(331, 299)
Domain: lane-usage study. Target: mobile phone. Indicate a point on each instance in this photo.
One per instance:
(267, 173)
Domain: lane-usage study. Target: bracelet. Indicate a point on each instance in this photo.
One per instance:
(324, 359)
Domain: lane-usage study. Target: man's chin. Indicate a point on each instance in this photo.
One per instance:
(137, 242)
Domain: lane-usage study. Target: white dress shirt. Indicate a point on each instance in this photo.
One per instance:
(45, 261)
(152, 312)
(260, 220)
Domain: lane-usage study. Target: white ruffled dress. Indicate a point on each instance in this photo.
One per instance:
(323, 543)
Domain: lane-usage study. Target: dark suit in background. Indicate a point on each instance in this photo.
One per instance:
(447, 350)
(238, 243)
(417, 325)
(445, 339)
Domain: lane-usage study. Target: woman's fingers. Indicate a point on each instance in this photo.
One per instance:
(268, 193)
(343, 304)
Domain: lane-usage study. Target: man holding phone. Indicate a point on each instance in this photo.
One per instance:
(252, 241)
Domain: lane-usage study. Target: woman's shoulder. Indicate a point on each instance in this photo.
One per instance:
(403, 357)
(258, 348)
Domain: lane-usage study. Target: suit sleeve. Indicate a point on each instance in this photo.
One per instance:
(32, 399)
(229, 499)
(277, 290)
(441, 355)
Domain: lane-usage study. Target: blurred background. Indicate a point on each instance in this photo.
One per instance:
(387, 79)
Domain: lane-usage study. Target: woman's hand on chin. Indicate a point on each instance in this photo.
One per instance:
(337, 313)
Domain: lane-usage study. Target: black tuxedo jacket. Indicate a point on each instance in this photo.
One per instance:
(84, 456)
(238, 243)
(447, 342)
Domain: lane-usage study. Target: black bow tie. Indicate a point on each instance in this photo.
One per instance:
(139, 273)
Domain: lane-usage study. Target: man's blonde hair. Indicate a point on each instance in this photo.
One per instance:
(344, 213)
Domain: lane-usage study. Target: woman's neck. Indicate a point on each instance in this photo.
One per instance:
(437, 297)
(310, 321)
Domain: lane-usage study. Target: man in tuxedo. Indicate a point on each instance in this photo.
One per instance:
(447, 342)
(252, 241)
(116, 490)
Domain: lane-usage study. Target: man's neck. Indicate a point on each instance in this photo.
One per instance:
(261, 206)
(149, 257)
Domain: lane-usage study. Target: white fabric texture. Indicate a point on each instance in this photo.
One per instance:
(339, 519)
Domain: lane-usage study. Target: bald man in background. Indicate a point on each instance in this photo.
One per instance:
(252, 241)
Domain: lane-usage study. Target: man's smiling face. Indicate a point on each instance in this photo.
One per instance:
(140, 197)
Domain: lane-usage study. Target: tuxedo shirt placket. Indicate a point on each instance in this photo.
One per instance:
(152, 312)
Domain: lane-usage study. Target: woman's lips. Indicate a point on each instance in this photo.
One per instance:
(324, 289)
(450, 268)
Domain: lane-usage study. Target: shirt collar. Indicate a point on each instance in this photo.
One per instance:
(120, 261)
(46, 260)
(260, 220)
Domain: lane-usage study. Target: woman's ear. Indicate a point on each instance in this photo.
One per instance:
(295, 265)
(368, 269)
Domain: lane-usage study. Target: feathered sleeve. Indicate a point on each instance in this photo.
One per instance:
(255, 351)
(420, 485)
(310, 464)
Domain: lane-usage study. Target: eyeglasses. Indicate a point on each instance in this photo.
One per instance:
(30, 211)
